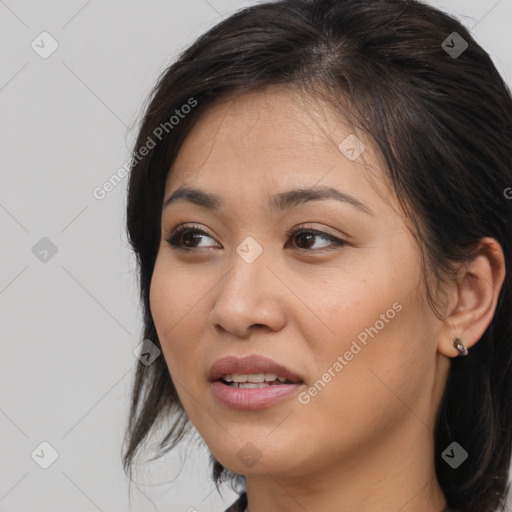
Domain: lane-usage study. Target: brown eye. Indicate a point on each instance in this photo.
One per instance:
(306, 239)
(186, 238)
(190, 238)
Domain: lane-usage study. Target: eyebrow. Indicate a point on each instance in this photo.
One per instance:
(283, 201)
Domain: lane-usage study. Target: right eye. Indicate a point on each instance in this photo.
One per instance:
(185, 237)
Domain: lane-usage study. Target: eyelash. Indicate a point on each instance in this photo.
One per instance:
(173, 240)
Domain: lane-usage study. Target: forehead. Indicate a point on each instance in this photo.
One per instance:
(272, 140)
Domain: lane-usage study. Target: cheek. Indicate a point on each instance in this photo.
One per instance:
(396, 361)
(160, 300)
(174, 296)
(378, 327)
(179, 307)
(169, 302)
(374, 390)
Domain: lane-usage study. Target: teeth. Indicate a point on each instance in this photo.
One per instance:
(246, 385)
(255, 378)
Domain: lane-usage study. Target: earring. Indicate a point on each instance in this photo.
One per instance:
(457, 343)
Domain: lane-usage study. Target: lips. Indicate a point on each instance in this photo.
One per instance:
(230, 365)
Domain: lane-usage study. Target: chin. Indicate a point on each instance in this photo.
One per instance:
(253, 459)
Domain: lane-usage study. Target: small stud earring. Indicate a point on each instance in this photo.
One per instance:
(457, 343)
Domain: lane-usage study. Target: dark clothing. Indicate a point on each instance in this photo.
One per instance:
(240, 504)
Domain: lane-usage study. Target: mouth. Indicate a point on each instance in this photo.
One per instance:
(253, 395)
(252, 382)
(255, 380)
(253, 369)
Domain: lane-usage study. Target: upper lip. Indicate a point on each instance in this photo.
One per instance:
(248, 365)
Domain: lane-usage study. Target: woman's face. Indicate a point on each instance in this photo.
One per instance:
(347, 315)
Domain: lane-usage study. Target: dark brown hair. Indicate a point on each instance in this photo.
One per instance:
(443, 126)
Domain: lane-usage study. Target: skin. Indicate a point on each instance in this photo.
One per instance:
(365, 441)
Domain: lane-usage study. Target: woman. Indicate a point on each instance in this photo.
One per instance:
(318, 207)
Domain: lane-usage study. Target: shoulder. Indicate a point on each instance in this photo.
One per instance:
(239, 505)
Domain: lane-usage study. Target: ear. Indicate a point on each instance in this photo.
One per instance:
(472, 297)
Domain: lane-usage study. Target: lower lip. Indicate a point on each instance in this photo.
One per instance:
(252, 398)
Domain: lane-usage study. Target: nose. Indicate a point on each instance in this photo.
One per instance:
(249, 296)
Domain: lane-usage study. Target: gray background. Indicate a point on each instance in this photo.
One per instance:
(69, 325)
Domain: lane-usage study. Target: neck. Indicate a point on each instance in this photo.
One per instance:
(393, 474)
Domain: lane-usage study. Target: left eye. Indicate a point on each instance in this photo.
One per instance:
(309, 234)
(184, 238)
